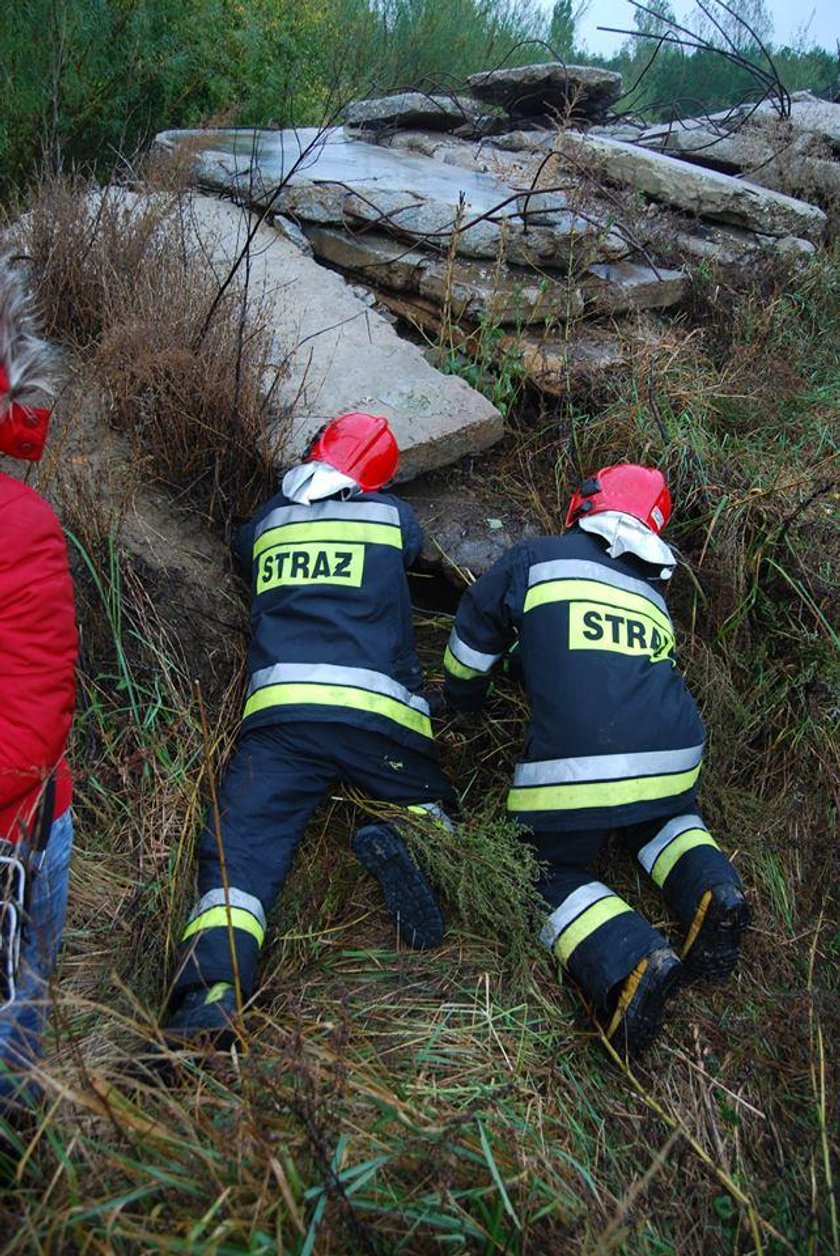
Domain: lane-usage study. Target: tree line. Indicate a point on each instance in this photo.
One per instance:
(88, 82)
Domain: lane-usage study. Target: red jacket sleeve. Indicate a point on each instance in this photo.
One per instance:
(38, 641)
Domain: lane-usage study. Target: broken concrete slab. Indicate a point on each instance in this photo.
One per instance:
(767, 151)
(449, 149)
(340, 355)
(469, 290)
(552, 360)
(378, 259)
(290, 231)
(509, 298)
(551, 87)
(415, 198)
(556, 238)
(414, 109)
(433, 222)
(538, 140)
(613, 288)
(626, 130)
(731, 246)
(719, 148)
(808, 113)
(261, 162)
(706, 193)
(555, 365)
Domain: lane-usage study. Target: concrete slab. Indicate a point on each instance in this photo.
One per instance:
(623, 286)
(474, 290)
(533, 90)
(706, 193)
(330, 179)
(340, 354)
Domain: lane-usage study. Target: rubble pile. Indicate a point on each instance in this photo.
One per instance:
(523, 206)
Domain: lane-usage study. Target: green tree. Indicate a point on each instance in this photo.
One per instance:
(561, 32)
(738, 24)
(423, 43)
(658, 21)
(86, 82)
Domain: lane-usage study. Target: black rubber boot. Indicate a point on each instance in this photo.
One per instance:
(204, 1016)
(409, 897)
(640, 1003)
(712, 945)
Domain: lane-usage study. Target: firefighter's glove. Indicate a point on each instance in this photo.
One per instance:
(465, 717)
(438, 706)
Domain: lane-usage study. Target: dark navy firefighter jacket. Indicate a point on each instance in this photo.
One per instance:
(615, 737)
(332, 637)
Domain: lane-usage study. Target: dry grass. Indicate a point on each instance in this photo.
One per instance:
(187, 364)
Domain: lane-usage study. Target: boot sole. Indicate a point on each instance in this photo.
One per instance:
(408, 896)
(635, 1035)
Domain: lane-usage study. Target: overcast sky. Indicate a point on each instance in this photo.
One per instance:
(818, 20)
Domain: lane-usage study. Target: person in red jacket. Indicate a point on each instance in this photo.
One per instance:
(37, 693)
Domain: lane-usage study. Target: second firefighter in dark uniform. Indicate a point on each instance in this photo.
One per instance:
(335, 694)
(615, 742)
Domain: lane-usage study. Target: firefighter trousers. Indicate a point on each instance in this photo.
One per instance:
(597, 937)
(275, 781)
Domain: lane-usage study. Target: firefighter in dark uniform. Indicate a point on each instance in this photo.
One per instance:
(615, 742)
(335, 694)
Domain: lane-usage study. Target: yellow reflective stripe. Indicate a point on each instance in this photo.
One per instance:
(217, 991)
(587, 922)
(217, 918)
(594, 591)
(678, 847)
(438, 816)
(339, 695)
(600, 793)
(453, 665)
(329, 530)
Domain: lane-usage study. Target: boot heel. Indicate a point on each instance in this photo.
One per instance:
(712, 946)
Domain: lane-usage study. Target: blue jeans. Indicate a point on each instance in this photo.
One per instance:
(22, 1022)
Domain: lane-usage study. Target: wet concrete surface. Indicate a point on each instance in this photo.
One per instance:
(330, 156)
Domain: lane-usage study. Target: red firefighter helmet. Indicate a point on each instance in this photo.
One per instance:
(628, 487)
(360, 445)
(23, 429)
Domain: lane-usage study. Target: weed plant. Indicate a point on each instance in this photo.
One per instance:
(185, 363)
(388, 1101)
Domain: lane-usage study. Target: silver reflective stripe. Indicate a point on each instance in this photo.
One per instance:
(574, 569)
(606, 767)
(235, 898)
(465, 654)
(649, 853)
(570, 909)
(328, 674)
(366, 512)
